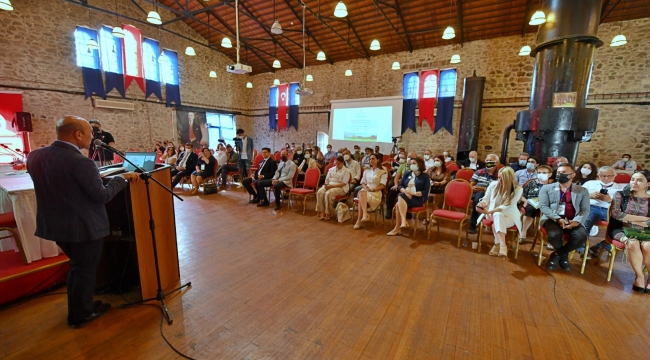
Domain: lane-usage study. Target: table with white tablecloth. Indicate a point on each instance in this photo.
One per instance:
(17, 196)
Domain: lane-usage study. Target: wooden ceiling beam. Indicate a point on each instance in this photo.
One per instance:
(408, 46)
(603, 17)
(459, 15)
(308, 32)
(401, 18)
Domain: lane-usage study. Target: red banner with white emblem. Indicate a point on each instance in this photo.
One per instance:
(132, 48)
(283, 105)
(428, 95)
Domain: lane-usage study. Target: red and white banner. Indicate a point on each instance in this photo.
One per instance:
(10, 104)
(428, 95)
(132, 48)
(283, 106)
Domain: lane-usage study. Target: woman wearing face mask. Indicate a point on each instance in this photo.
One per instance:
(220, 155)
(373, 182)
(530, 197)
(587, 171)
(204, 169)
(298, 156)
(439, 176)
(309, 163)
(500, 205)
(630, 210)
(448, 157)
(337, 182)
(413, 192)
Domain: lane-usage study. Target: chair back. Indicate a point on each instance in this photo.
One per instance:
(499, 166)
(361, 173)
(622, 178)
(328, 167)
(278, 156)
(388, 175)
(452, 166)
(312, 176)
(294, 181)
(465, 174)
(332, 160)
(458, 195)
(258, 160)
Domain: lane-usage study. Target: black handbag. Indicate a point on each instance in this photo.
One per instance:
(209, 188)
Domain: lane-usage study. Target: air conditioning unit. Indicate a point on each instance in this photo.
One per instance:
(112, 104)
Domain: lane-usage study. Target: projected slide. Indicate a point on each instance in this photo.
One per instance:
(366, 124)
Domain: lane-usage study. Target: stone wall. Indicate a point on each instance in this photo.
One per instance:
(41, 62)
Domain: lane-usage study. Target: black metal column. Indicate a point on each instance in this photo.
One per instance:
(470, 116)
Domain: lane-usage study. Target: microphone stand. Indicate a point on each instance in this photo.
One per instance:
(160, 294)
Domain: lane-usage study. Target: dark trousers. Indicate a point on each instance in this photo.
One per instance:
(180, 175)
(475, 200)
(555, 232)
(248, 184)
(391, 198)
(223, 172)
(244, 165)
(277, 189)
(84, 260)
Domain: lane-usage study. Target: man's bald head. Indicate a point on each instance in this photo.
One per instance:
(74, 129)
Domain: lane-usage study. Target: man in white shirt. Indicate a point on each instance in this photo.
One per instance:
(625, 163)
(601, 192)
(472, 162)
(245, 153)
(355, 169)
(283, 178)
(530, 172)
(428, 159)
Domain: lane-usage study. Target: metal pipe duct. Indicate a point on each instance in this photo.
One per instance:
(506, 142)
(563, 64)
(470, 116)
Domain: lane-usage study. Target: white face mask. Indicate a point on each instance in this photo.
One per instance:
(298, 152)
(408, 159)
(448, 159)
(414, 167)
(585, 171)
(445, 153)
(473, 160)
(542, 177)
(437, 164)
(307, 156)
(626, 159)
(427, 157)
(329, 149)
(346, 157)
(402, 161)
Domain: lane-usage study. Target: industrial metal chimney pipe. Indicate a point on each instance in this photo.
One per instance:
(564, 56)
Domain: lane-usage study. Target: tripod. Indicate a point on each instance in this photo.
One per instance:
(394, 150)
(160, 294)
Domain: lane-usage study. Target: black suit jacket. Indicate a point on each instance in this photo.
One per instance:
(191, 161)
(70, 195)
(268, 170)
(480, 164)
(185, 132)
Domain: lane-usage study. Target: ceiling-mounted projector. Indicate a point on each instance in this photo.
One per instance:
(239, 69)
(303, 91)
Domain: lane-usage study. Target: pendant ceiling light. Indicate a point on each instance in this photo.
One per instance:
(340, 11)
(154, 18)
(276, 28)
(320, 56)
(348, 72)
(118, 32)
(538, 18)
(396, 66)
(213, 74)
(310, 78)
(92, 44)
(190, 51)
(6, 5)
(524, 51)
(249, 85)
(449, 33)
(374, 45)
(226, 43)
(455, 59)
(276, 82)
(618, 40)
(276, 64)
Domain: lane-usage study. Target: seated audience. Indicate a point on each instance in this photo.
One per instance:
(372, 184)
(447, 155)
(159, 148)
(221, 156)
(266, 170)
(282, 178)
(530, 172)
(439, 176)
(521, 163)
(318, 156)
(298, 155)
(554, 163)
(355, 170)
(413, 192)
(500, 205)
(428, 159)
(625, 163)
(530, 198)
(358, 156)
(185, 165)
(472, 162)
(480, 181)
(380, 156)
(601, 193)
(169, 157)
(232, 159)
(365, 162)
(631, 211)
(329, 154)
(336, 184)
(587, 172)
(565, 208)
(308, 163)
(393, 189)
(204, 169)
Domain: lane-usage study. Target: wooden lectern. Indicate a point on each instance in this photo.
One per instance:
(129, 218)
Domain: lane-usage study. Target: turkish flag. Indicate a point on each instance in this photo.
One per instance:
(428, 95)
(132, 50)
(283, 105)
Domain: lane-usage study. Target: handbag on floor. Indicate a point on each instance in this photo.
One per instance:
(342, 212)
(209, 188)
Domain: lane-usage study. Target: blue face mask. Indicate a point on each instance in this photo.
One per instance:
(530, 166)
(523, 162)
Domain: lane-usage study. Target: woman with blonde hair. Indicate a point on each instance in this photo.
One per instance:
(500, 206)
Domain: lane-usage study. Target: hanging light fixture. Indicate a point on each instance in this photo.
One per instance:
(213, 74)
(249, 85)
(276, 64)
(309, 78)
(276, 28)
(6, 5)
(117, 31)
(618, 40)
(340, 11)
(276, 82)
(154, 18)
(449, 33)
(538, 18)
(348, 72)
(455, 59)
(190, 51)
(92, 44)
(374, 45)
(524, 51)
(396, 66)
(320, 56)
(226, 43)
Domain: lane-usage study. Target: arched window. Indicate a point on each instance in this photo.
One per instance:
(411, 86)
(322, 140)
(448, 83)
(430, 86)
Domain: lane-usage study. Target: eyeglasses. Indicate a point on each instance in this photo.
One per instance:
(607, 176)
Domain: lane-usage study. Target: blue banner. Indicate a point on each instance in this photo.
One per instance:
(410, 92)
(111, 56)
(447, 93)
(294, 104)
(273, 107)
(168, 63)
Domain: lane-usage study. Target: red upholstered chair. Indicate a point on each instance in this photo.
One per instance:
(309, 187)
(542, 235)
(278, 156)
(452, 166)
(328, 167)
(616, 246)
(8, 223)
(332, 160)
(622, 178)
(465, 174)
(212, 179)
(256, 164)
(458, 196)
(511, 231)
(415, 213)
(499, 166)
(285, 188)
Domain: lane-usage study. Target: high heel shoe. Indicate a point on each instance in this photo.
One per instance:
(393, 232)
(365, 218)
(503, 250)
(404, 225)
(357, 226)
(494, 251)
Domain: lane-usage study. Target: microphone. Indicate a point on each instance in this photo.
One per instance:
(104, 145)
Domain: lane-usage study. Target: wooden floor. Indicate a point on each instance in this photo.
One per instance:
(282, 285)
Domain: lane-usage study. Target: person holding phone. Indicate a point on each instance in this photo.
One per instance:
(601, 193)
(204, 169)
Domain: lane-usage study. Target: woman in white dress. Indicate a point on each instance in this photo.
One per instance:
(220, 155)
(337, 182)
(500, 205)
(169, 157)
(373, 182)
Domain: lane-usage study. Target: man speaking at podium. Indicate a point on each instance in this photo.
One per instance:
(70, 198)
